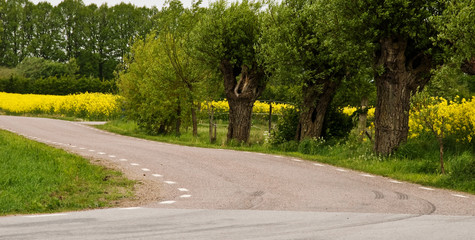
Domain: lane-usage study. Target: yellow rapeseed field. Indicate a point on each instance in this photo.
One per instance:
(92, 106)
(259, 107)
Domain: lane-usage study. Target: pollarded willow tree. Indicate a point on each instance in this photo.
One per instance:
(225, 39)
(398, 33)
(300, 45)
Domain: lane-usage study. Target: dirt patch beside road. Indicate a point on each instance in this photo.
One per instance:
(145, 190)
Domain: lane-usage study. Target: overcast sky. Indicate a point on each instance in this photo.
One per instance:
(147, 3)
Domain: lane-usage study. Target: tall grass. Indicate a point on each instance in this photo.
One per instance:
(35, 178)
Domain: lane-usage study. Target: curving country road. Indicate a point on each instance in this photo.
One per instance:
(208, 192)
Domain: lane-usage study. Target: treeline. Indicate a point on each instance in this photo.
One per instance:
(97, 37)
(321, 54)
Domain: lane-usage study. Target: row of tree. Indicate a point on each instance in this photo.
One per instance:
(96, 36)
(318, 47)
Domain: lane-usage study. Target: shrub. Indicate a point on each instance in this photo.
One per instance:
(311, 146)
(53, 85)
(463, 166)
(337, 124)
(286, 127)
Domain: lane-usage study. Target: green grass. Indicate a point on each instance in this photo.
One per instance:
(130, 128)
(36, 178)
(417, 161)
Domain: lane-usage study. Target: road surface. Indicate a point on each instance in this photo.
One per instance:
(205, 193)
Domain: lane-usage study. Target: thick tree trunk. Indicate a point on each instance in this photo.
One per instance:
(241, 95)
(401, 78)
(317, 99)
(240, 113)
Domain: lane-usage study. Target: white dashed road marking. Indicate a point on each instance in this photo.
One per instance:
(426, 188)
(460, 196)
(318, 164)
(130, 208)
(170, 182)
(341, 170)
(101, 153)
(47, 215)
(183, 190)
(394, 181)
(123, 160)
(296, 160)
(167, 202)
(185, 196)
(111, 156)
(145, 169)
(367, 175)
(134, 164)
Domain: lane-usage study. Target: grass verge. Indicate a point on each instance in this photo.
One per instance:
(416, 162)
(36, 178)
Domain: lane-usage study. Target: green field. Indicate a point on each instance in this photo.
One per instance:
(36, 178)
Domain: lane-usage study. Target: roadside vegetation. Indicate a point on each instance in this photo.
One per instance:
(35, 178)
(382, 88)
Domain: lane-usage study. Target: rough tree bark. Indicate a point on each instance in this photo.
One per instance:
(402, 77)
(317, 97)
(241, 95)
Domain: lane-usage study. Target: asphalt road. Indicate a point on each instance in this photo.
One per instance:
(223, 194)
